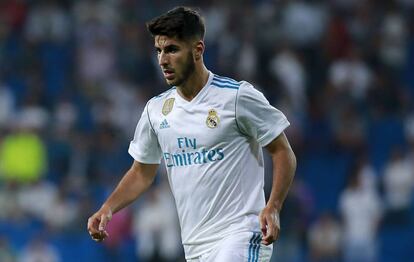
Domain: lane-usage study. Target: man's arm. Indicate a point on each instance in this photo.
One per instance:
(136, 180)
(284, 167)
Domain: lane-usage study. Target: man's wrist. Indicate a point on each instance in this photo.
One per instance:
(107, 207)
(274, 206)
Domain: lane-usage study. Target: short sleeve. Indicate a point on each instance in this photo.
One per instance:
(145, 148)
(255, 116)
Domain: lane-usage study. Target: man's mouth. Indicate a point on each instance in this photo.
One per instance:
(168, 74)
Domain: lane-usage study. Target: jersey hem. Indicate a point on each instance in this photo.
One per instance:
(199, 254)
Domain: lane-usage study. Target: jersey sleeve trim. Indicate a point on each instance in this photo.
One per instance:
(272, 134)
(141, 158)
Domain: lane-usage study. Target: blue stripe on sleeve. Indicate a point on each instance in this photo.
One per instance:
(224, 86)
(225, 81)
(225, 78)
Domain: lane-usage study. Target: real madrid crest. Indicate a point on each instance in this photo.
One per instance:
(168, 106)
(213, 119)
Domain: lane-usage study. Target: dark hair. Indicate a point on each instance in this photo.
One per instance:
(181, 22)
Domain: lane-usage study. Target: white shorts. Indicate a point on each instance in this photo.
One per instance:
(240, 247)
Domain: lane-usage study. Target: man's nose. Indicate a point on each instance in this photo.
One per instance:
(162, 59)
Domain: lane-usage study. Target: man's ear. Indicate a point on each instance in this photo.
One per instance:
(198, 50)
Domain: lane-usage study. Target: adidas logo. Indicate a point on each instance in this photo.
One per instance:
(164, 124)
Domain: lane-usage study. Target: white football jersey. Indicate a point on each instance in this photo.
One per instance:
(212, 148)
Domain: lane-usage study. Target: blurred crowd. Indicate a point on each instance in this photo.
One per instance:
(76, 74)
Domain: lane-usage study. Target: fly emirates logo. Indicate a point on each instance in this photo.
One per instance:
(190, 155)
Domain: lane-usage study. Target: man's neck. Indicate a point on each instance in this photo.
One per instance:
(194, 84)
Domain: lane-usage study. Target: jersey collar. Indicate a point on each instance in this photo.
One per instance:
(200, 94)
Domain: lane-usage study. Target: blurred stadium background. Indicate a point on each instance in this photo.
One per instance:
(75, 75)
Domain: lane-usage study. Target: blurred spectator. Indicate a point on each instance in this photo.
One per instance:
(325, 238)
(349, 127)
(399, 188)
(62, 210)
(96, 34)
(361, 212)
(337, 39)
(216, 17)
(48, 21)
(6, 252)
(109, 157)
(228, 44)
(60, 143)
(247, 61)
(48, 30)
(96, 57)
(367, 175)
(39, 250)
(393, 48)
(134, 52)
(65, 115)
(14, 13)
(362, 25)
(104, 12)
(9, 201)
(287, 68)
(32, 112)
(156, 227)
(351, 75)
(303, 22)
(7, 104)
(409, 127)
(37, 199)
(124, 99)
(80, 158)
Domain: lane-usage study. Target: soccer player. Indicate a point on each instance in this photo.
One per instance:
(210, 131)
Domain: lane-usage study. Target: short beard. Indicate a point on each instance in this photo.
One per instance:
(187, 72)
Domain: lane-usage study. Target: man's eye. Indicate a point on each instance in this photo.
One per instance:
(172, 50)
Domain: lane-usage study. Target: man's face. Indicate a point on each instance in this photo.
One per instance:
(175, 58)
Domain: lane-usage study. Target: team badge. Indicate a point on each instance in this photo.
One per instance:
(213, 119)
(168, 106)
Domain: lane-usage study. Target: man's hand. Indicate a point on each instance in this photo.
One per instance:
(97, 224)
(269, 224)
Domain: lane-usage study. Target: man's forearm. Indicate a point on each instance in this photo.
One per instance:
(132, 185)
(284, 167)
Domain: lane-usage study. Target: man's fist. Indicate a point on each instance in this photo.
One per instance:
(97, 224)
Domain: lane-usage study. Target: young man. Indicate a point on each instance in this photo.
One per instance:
(209, 130)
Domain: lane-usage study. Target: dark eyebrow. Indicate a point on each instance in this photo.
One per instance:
(172, 47)
(168, 48)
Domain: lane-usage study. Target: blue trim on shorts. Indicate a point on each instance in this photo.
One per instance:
(254, 246)
(257, 248)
